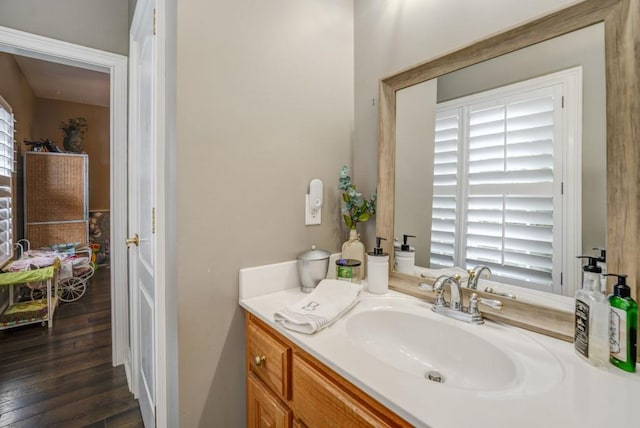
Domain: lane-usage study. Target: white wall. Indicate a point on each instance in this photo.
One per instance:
(391, 35)
(264, 104)
(100, 24)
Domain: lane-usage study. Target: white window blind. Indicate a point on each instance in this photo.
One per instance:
(497, 201)
(6, 170)
(445, 187)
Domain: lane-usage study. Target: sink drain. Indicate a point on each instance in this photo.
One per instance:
(434, 376)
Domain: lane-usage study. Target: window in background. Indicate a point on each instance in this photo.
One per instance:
(6, 171)
(498, 181)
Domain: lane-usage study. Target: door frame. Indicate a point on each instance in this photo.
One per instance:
(47, 49)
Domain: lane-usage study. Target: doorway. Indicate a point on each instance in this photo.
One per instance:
(33, 46)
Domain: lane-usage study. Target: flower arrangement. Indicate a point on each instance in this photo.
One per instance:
(355, 209)
(74, 124)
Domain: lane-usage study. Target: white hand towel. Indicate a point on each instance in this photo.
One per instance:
(330, 300)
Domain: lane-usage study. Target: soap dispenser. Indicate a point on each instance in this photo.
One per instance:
(378, 269)
(602, 263)
(591, 317)
(405, 259)
(623, 324)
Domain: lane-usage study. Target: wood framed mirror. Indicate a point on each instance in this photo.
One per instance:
(621, 20)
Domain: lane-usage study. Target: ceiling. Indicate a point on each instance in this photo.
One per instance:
(65, 83)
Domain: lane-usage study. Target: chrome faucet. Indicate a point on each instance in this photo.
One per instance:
(454, 286)
(455, 309)
(474, 276)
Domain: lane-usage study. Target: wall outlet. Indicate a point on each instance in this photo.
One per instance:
(311, 216)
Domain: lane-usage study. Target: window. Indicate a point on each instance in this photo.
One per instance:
(6, 171)
(498, 182)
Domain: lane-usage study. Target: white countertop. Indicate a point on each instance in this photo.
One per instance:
(571, 393)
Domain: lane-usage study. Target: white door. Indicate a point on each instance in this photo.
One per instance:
(142, 202)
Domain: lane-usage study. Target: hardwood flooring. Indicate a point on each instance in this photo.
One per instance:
(62, 377)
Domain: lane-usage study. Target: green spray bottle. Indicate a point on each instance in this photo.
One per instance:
(623, 324)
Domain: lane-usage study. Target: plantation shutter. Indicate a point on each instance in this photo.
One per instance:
(503, 182)
(445, 187)
(6, 170)
(510, 203)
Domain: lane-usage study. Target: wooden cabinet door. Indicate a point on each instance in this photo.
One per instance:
(318, 402)
(264, 409)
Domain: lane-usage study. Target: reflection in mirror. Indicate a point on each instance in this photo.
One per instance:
(503, 164)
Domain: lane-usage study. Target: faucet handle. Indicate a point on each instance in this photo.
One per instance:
(492, 303)
(424, 286)
(474, 301)
(476, 316)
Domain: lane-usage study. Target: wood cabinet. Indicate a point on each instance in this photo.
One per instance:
(56, 195)
(287, 387)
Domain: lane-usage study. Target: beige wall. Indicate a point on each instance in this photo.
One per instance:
(98, 24)
(415, 140)
(392, 35)
(17, 92)
(49, 113)
(265, 104)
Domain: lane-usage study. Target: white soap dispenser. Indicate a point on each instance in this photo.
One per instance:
(405, 259)
(378, 270)
(592, 317)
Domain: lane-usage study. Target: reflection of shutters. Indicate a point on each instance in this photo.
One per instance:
(510, 186)
(445, 184)
(6, 169)
(505, 185)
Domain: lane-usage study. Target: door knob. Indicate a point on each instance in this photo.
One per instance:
(134, 240)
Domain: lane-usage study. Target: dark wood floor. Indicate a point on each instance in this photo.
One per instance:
(62, 377)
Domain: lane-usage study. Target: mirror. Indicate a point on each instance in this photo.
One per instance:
(619, 20)
(524, 140)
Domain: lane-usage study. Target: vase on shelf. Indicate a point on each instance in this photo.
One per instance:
(72, 141)
(354, 249)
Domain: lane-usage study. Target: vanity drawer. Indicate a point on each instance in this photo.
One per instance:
(268, 358)
(324, 400)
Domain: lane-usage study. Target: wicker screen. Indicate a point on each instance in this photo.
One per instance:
(55, 186)
(43, 235)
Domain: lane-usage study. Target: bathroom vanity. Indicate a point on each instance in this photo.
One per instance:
(287, 387)
(373, 367)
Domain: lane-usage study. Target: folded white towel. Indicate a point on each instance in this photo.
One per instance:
(330, 300)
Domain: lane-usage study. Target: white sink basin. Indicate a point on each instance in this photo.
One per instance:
(417, 345)
(483, 359)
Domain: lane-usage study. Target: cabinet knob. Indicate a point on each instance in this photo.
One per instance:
(258, 360)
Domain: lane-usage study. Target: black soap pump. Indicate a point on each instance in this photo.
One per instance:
(405, 258)
(623, 325)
